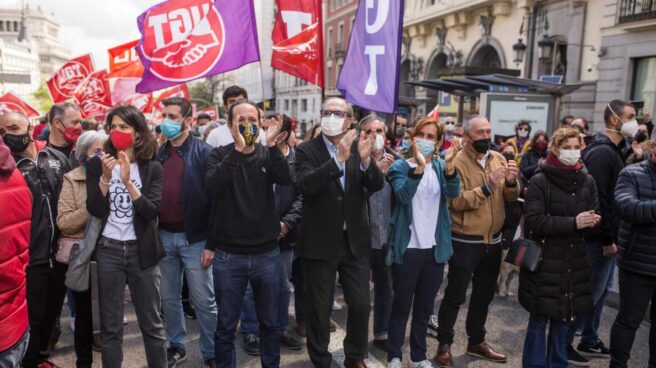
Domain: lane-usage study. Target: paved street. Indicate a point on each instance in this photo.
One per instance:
(506, 326)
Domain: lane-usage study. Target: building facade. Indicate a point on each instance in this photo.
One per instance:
(19, 67)
(339, 16)
(627, 69)
(43, 29)
(297, 99)
(465, 37)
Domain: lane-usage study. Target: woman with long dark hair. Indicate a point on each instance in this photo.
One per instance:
(124, 187)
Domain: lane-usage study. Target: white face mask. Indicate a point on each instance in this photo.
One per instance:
(629, 128)
(331, 125)
(522, 133)
(379, 143)
(569, 157)
(449, 129)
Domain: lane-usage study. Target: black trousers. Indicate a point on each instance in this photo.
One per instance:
(299, 290)
(45, 297)
(478, 263)
(83, 335)
(416, 283)
(636, 291)
(320, 287)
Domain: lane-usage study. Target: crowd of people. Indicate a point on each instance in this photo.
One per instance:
(247, 216)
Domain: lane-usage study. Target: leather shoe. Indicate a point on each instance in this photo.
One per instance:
(484, 351)
(443, 358)
(354, 363)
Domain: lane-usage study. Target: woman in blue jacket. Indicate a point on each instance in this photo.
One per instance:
(419, 237)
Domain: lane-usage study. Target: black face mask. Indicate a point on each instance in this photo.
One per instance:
(509, 156)
(17, 143)
(640, 137)
(482, 145)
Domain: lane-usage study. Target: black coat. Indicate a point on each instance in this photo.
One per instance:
(289, 203)
(604, 161)
(529, 165)
(326, 205)
(561, 287)
(635, 199)
(146, 207)
(44, 177)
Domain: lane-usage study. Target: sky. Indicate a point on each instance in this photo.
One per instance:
(93, 26)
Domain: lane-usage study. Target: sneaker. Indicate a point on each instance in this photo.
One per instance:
(189, 311)
(575, 359)
(597, 351)
(252, 344)
(174, 356)
(422, 364)
(289, 342)
(395, 363)
(209, 363)
(336, 306)
(432, 326)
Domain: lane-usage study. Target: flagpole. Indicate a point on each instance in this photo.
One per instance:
(262, 84)
(394, 131)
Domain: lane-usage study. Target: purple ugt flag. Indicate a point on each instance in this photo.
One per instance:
(370, 74)
(184, 40)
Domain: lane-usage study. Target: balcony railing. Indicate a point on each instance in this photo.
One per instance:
(637, 10)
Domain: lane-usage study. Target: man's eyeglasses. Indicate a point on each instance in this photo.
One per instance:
(337, 113)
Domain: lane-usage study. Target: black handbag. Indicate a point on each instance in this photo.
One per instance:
(526, 253)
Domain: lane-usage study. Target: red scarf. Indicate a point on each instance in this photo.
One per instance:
(554, 161)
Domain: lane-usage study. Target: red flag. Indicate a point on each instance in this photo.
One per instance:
(435, 113)
(297, 39)
(142, 101)
(11, 102)
(93, 95)
(123, 82)
(211, 111)
(63, 84)
(122, 55)
(179, 91)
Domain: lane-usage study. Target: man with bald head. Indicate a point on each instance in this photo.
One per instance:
(336, 173)
(477, 215)
(43, 169)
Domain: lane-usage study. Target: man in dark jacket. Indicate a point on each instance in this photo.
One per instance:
(335, 175)
(245, 230)
(15, 219)
(289, 203)
(604, 160)
(380, 211)
(183, 225)
(43, 168)
(635, 200)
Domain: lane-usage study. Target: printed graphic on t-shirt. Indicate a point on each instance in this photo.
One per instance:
(120, 202)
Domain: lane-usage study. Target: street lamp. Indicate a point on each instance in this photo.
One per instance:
(519, 49)
(545, 48)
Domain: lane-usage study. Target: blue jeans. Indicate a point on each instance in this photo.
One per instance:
(184, 257)
(286, 257)
(232, 272)
(248, 317)
(381, 274)
(603, 271)
(11, 358)
(545, 351)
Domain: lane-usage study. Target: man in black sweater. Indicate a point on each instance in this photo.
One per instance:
(245, 229)
(604, 160)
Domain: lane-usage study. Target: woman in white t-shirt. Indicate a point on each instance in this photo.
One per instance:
(124, 187)
(419, 237)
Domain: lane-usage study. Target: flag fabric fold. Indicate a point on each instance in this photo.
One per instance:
(370, 73)
(184, 40)
(11, 102)
(63, 84)
(298, 40)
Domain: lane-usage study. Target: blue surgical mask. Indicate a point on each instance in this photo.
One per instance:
(405, 145)
(426, 147)
(171, 129)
